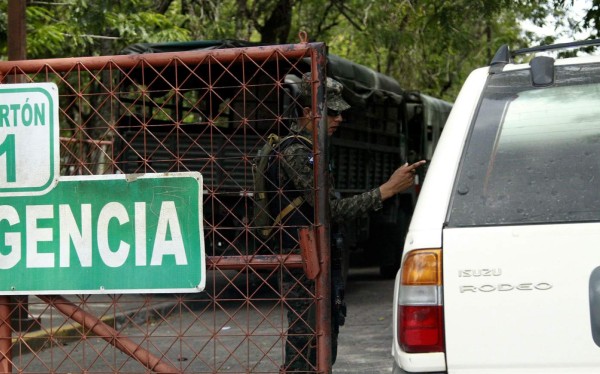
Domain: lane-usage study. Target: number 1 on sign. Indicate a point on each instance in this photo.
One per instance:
(8, 148)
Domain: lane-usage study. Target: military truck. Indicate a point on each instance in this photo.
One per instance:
(386, 127)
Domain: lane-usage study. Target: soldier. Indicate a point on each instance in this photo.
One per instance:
(294, 175)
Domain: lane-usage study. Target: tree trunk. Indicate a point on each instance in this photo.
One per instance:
(277, 27)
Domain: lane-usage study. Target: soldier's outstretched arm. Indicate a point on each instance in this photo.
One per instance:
(400, 180)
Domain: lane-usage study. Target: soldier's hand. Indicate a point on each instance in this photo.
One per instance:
(400, 180)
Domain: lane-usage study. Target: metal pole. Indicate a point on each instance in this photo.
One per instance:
(5, 336)
(322, 224)
(255, 262)
(17, 36)
(292, 51)
(17, 50)
(112, 336)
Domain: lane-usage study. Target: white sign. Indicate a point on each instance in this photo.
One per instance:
(29, 162)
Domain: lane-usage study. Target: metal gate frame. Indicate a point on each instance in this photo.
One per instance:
(57, 69)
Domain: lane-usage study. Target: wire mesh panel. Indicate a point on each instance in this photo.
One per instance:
(203, 111)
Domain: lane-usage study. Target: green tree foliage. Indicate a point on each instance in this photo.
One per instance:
(429, 45)
(86, 27)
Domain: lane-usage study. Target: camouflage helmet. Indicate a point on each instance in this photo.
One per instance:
(335, 101)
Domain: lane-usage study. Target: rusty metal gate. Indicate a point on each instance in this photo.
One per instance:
(206, 111)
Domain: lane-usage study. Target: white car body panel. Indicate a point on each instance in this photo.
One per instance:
(500, 322)
(528, 305)
(425, 229)
(432, 205)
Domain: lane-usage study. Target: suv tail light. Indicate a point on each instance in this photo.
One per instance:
(420, 305)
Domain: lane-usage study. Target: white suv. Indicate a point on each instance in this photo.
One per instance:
(501, 265)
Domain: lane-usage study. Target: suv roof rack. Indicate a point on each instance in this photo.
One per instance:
(504, 55)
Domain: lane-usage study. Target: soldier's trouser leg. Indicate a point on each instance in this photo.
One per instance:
(334, 342)
(300, 348)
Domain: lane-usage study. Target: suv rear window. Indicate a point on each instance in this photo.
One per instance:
(533, 154)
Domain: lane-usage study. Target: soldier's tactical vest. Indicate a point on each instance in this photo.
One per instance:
(287, 210)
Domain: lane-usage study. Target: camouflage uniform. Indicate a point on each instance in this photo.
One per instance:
(298, 169)
(298, 165)
(295, 177)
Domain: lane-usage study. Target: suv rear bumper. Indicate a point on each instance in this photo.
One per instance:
(398, 370)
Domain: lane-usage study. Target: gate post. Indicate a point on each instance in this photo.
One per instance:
(322, 214)
(5, 336)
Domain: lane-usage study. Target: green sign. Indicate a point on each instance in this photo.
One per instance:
(29, 154)
(105, 234)
(88, 234)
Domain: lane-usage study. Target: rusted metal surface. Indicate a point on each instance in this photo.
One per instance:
(17, 31)
(206, 111)
(321, 175)
(5, 336)
(308, 246)
(265, 53)
(101, 329)
(255, 262)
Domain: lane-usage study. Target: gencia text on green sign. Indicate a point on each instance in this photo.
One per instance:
(144, 236)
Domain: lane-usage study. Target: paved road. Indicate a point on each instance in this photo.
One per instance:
(365, 341)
